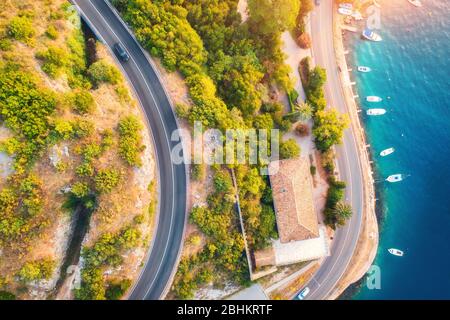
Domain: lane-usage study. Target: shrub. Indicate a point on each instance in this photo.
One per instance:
(51, 32)
(83, 128)
(85, 169)
(5, 44)
(106, 180)
(103, 72)
(198, 171)
(304, 41)
(54, 60)
(336, 212)
(28, 116)
(182, 110)
(5, 295)
(223, 182)
(195, 240)
(116, 290)
(123, 93)
(289, 149)
(63, 129)
(105, 252)
(83, 102)
(21, 28)
(10, 146)
(130, 140)
(107, 139)
(80, 190)
(328, 161)
(37, 270)
(91, 151)
(302, 129)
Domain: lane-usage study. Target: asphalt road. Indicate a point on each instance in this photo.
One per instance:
(163, 255)
(346, 238)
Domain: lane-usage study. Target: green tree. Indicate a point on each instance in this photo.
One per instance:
(342, 211)
(329, 128)
(273, 16)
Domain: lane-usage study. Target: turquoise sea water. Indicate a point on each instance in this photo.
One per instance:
(412, 67)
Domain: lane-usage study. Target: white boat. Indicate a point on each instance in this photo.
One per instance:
(345, 11)
(364, 69)
(394, 178)
(396, 252)
(375, 112)
(371, 35)
(415, 3)
(346, 6)
(373, 99)
(387, 152)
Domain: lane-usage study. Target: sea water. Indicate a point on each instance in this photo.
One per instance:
(411, 72)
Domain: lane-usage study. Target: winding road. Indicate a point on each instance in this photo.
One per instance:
(163, 256)
(346, 238)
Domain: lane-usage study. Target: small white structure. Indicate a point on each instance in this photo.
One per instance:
(304, 250)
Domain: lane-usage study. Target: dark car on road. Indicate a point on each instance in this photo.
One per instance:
(121, 52)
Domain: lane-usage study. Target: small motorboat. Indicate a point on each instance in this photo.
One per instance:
(345, 11)
(375, 112)
(364, 69)
(394, 178)
(346, 6)
(371, 35)
(416, 3)
(387, 152)
(396, 252)
(373, 99)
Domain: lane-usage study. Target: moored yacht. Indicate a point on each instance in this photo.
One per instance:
(364, 69)
(371, 35)
(373, 99)
(375, 112)
(348, 6)
(394, 178)
(387, 152)
(345, 11)
(396, 252)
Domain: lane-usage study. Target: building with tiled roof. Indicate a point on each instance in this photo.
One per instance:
(292, 190)
(300, 238)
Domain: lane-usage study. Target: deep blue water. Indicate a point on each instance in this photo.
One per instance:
(412, 67)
